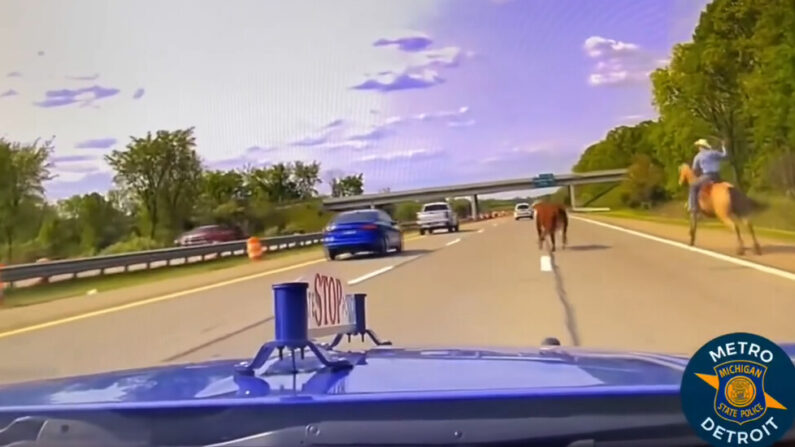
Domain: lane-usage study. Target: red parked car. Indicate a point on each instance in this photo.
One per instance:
(210, 234)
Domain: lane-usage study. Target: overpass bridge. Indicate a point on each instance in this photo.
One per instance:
(474, 189)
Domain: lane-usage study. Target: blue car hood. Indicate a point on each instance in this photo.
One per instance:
(381, 373)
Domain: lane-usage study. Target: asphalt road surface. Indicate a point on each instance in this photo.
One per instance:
(484, 286)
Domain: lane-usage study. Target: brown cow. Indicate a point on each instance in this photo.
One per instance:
(549, 218)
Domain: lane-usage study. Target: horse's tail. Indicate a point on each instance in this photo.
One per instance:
(742, 205)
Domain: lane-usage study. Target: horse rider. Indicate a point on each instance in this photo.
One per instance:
(706, 164)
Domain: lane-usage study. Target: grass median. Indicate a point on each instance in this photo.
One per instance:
(41, 293)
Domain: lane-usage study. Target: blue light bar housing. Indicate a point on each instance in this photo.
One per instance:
(293, 332)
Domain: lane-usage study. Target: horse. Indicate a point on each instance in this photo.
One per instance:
(724, 201)
(550, 218)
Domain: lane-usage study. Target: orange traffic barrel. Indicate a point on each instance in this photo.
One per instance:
(254, 248)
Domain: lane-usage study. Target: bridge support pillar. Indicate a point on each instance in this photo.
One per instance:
(571, 197)
(474, 203)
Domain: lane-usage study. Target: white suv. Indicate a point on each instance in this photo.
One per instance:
(522, 211)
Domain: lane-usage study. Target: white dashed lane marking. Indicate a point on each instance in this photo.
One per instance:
(454, 241)
(372, 274)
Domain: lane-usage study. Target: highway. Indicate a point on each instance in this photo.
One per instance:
(483, 286)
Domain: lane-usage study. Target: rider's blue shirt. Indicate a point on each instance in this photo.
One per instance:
(708, 161)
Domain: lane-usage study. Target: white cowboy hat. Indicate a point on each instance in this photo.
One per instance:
(701, 142)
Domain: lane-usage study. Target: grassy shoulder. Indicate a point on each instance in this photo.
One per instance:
(773, 233)
(775, 220)
(25, 296)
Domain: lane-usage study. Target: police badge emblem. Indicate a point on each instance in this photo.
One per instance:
(740, 396)
(738, 389)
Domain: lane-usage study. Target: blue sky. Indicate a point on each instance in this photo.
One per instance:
(411, 93)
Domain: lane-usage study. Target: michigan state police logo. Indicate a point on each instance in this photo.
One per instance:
(739, 389)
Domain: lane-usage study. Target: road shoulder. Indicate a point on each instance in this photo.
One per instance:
(776, 253)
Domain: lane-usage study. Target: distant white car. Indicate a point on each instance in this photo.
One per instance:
(522, 211)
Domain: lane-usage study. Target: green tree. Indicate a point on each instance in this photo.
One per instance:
(618, 148)
(99, 222)
(275, 182)
(23, 170)
(162, 172)
(770, 91)
(407, 211)
(462, 208)
(306, 177)
(701, 88)
(223, 198)
(58, 237)
(643, 184)
(351, 185)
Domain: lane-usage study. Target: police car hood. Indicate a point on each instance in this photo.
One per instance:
(377, 374)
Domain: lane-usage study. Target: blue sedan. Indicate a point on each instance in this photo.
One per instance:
(359, 231)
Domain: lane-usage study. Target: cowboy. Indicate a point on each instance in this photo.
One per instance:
(707, 165)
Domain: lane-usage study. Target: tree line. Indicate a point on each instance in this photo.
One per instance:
(735, 81)
(161, 188)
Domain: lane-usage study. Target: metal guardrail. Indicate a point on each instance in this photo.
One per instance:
(47, 269)
(20, 272)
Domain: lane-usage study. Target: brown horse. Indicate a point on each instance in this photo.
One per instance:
(549, 218)
(724, 201)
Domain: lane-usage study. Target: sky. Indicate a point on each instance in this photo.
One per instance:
(410, 93)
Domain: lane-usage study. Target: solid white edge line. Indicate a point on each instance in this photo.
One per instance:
(454, 241)
(367, 276)
(762, 268)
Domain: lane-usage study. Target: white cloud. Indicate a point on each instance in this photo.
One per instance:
(619, 63)
(409, 78)
(312, 140)
(598, 46)
(402, 155)
(520, 153)
(227, 112)
(76, 168)
(354, 144)
(442, 57)
(491, 159)
(372, 132)
(461, 111)
(536, 148)
(412, 68)
(464, 123)
(634, 118)
(617, 77)
(322, 135)
(357, 135)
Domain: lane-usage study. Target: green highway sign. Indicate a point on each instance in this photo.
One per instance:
(544, 180)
